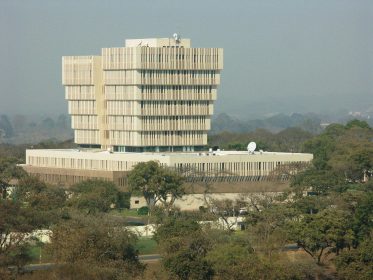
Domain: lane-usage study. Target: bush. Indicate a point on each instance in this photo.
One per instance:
(143, 211)
(124, 200)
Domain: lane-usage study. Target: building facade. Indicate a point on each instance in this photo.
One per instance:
(153, 95)
(224, 168)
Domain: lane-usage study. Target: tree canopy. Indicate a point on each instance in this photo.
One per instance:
(94, 196)
(95, 246)
(156, 183)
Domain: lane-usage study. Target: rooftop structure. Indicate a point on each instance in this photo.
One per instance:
(151, 95)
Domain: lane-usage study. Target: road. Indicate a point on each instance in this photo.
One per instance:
(150, 258)
(46, 266)
(143, 258)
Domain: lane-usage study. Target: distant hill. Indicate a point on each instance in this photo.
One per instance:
(308, 122)
(22, 129)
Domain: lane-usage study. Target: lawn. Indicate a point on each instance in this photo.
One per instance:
(147, 246)
(126, 213)
(34, 253)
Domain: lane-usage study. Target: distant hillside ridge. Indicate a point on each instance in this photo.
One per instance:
(309, 122)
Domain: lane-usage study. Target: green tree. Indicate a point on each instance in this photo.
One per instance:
(321, 147)
(232, 259)
(232, 256)
(184, 245)
(15, 227)
(357, 123)
(224, 209)
(95, 246)
(356, 263)
(156, 184)
(45, 203)
(94, 196)
(344, 151)
(319, 234)
(363, 216)
(311, 204)
(320, 181)
(266, 228)
(32, 206)
(8, 171)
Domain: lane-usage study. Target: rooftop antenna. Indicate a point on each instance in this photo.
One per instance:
(251, 147)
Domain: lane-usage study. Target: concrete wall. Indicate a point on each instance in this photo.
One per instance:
(192, 202)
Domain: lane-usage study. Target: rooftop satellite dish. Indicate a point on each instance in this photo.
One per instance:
(251, 147)
(176, 37)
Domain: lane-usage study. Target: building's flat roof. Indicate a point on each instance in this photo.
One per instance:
(98, 159)
(178, 154)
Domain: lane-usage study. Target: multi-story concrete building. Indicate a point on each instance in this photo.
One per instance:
(153, 95)
(153, 100)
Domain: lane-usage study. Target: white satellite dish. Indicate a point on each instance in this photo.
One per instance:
(251, 147)
(176, 37)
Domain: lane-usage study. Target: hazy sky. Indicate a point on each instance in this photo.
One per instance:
(279, 56)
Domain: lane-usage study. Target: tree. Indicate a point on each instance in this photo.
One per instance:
(95, 246)
(321, 233)
(224, 209)
(233, 259)
(345, 151)
(321, 147)
(184, 245)
(266, 228)
(353, 154)
(363, 216)
(356, 263)
(8, 171)
(15, 226)
(44, 203)
(357, 123)
(319, 181)
(94, 196)
(156, 184)
(311, 204)
(232, 256)
(32, 206)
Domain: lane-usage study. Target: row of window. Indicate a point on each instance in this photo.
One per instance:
(176, 88)
(189, 73)
(194, 169)
(157, 103)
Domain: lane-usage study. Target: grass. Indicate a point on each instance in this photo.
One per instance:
(147, 246)
(34, 253)
(126, 213)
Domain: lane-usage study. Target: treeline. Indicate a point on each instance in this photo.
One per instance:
(18, 152)
(287, 140)
(327, 213)
(309, 122)
(85, 241)
(322, 228)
